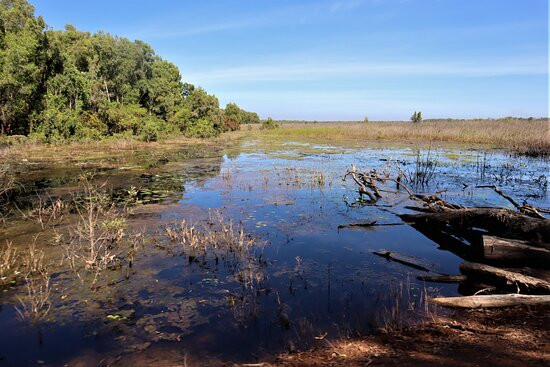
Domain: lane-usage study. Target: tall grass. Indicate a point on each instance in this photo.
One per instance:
(527, 137)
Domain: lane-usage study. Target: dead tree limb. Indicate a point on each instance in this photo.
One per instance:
(442, 278)
(525, 208)
(500, 222)
(491, 301)
(504, 278)
(388, 255)
(514, 251)
(369, 225)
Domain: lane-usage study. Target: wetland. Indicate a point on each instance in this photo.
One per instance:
(229, 253)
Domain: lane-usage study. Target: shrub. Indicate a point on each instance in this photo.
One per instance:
(201, 128)
(269, 124)
(230, 124)
(153, 129)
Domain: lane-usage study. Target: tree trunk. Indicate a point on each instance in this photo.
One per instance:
(491, 301)
(501, 222)
(504, 278)
(520, 252)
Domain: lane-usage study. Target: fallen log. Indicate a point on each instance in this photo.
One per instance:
(516, 251)
(442, 278)
(368, 225)
(491, 301)
(399, 259)
(500, 222)
(505, 278)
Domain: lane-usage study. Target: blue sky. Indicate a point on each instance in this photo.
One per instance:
(342, 59)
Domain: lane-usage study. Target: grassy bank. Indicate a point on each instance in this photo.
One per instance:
(526, 137)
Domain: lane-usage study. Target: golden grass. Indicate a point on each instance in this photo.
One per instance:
(108, 148)
(528, 137)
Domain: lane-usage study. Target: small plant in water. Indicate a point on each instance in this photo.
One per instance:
(95, 242)
(8, 261)
(36, 304)
(424, 171)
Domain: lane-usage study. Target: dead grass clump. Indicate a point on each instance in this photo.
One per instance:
(222, 241)
(47, 211)
(95, 241)
(36, 303)
(217, 234)
(8, 263)
(7, 180)
(402, 309)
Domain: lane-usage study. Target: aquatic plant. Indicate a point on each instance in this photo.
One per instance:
(94, 244)
(8, 263)
(424, 170)
(47, 211)
(401, 307)
(36, 304)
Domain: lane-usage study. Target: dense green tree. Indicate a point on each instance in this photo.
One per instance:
(59, 85)
(21, 42)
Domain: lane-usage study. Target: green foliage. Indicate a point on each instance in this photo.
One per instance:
(269, 124)
(416, 117)
(201, 128)
(70, 85)
(241, 116)
(366, 119)
(153, 129)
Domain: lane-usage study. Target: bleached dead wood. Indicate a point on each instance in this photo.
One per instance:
(505, 278)
(491, 301)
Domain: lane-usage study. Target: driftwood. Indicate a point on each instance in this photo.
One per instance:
(515, 251)
(502, 222)
(501, 236)
(368, 225)
(505, 278)
(525, 208)
(491, 301)
(442, 278)
(399, 259)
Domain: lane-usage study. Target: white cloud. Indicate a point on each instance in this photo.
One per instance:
(323, 71)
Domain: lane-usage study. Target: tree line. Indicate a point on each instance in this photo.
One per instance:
(58, 85)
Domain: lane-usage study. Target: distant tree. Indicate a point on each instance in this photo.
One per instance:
(416, 117)
(366, 119)
(269, 124)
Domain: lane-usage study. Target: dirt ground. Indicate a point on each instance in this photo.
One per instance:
(510, 337)
(506, 338)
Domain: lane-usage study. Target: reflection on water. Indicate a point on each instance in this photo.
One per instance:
(310, 278)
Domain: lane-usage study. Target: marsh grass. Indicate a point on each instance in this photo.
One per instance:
(424, 171)
(221, 241)
(526, 137)
(35, 305)
(8, 263)
(401, 308)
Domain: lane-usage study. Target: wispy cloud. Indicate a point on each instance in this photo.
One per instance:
(297, 72)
